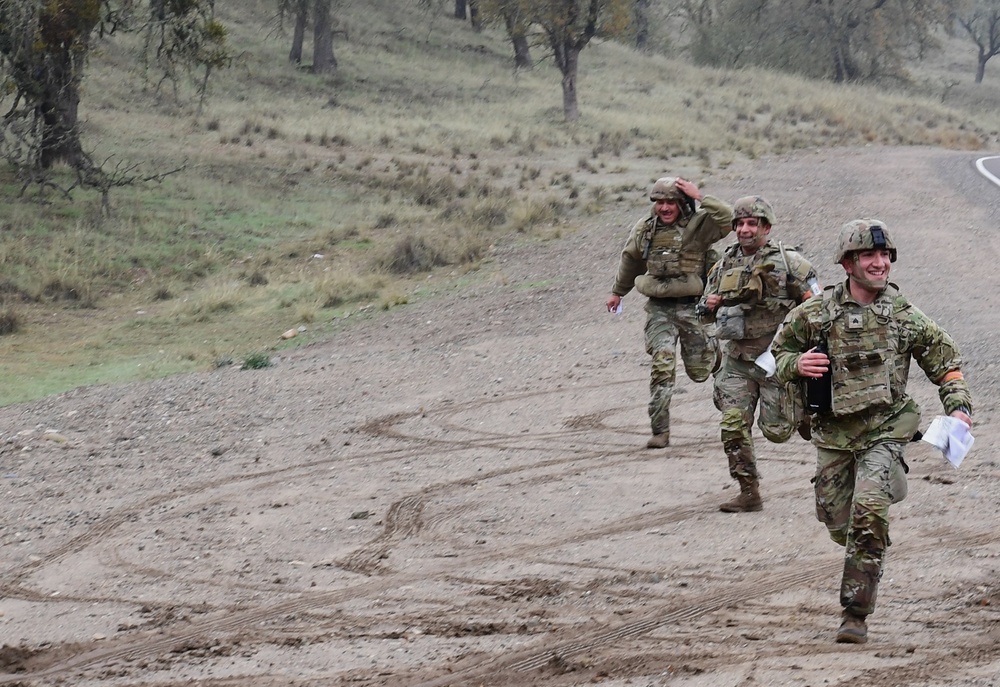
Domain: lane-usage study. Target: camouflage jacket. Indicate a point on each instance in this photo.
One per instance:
(711, 222)
(894, 329)
(764, 286)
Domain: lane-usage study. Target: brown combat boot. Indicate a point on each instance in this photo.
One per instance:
(747, 501)
(853, 629)
(661, 440)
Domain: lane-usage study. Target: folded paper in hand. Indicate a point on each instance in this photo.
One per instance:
(951, 436)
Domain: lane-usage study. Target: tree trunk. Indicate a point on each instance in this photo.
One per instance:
(460, 10)
(477, 21)
(981, 65)
(519, 39)
(844, 67)
(60, 136)
(299, 32)
(59, 74)
(568, 66)
(323, 60)
(642, 24)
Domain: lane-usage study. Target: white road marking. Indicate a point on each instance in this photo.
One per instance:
(981, 166)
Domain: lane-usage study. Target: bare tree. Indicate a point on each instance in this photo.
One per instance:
(981, 22)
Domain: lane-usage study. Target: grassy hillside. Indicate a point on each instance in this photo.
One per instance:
(305, 202)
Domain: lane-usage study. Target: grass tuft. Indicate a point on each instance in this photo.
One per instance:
(256, 361)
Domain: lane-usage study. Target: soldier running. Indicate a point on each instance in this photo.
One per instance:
(664, 258)
(749, 292)
(863, 417)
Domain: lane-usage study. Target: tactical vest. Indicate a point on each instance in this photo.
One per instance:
(665, 259)
(749, 297)
(862, 353)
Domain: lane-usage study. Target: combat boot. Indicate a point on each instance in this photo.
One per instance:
(853, 629)
(747, 501)
(660, 440)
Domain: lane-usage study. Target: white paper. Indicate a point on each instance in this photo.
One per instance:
(766, 362)
(618, 309)
(951, 436)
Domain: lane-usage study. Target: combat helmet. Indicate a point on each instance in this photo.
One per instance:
(754, 206)
(864, 234)
(665, 188)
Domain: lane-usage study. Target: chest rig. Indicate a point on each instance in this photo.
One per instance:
(663, 252)
(861, 340)
(754, 294)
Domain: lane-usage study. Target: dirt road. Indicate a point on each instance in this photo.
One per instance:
(457, 493)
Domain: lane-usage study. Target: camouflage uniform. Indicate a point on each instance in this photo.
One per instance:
(674, 256)
(757, 292)
(860, 440)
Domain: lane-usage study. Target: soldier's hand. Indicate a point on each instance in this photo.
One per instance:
(688, 188)
(812, 364)
(713, 301)
(613, 302)
(963, 416)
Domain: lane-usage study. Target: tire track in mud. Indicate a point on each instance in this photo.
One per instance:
(764, 584)
(404, 520)
(131, 649)
(514, 667)
(11, 579)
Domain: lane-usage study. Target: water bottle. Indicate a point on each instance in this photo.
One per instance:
(819, 390)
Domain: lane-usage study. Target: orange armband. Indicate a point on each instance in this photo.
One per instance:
(951, 376)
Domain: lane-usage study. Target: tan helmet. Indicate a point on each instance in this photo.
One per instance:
(753, 206)
(864, 234)
(665, 188)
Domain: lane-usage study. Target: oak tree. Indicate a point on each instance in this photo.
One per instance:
(566, 27)
(320, 14)
(44, 49)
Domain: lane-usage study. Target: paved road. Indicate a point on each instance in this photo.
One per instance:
(989, 167)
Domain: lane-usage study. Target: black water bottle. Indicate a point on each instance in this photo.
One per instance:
(819, 390)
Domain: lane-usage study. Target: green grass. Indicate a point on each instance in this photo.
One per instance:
(303, 199)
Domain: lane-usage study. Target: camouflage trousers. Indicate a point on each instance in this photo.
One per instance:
(668, 322)
(739, 385)
(853, 493)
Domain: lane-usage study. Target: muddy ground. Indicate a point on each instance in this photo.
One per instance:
(456, 492)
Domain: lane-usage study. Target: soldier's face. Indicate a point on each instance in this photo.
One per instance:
(752, 233)
(869, 268)
(667, 210)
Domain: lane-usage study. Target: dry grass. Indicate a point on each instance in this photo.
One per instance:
(304, 199)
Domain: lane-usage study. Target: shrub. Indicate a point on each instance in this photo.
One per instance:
(256, 361)
(10, 319)
(412, 254)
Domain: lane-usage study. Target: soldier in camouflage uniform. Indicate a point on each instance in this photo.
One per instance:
(748, 294)
(664, 258)
(863, 417)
